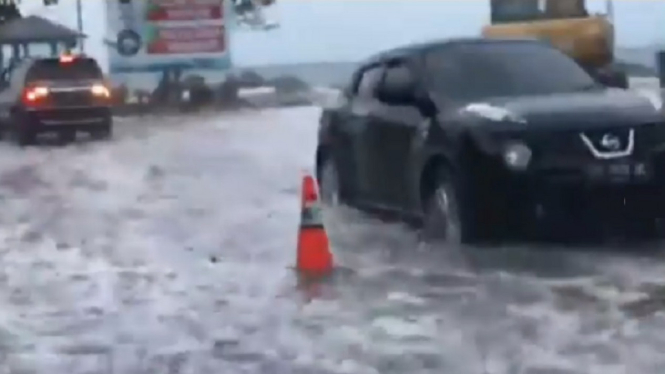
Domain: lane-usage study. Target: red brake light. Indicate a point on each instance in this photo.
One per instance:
(66, 59)
(34, 94)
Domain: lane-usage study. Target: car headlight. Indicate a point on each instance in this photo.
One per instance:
(185, 96)
(517, 156)
(493, 113)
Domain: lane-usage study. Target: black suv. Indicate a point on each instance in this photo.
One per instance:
(478, 138)
(66, 94)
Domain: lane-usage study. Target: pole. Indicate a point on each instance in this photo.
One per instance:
(660, 65)
(610, 10)
(79, 21)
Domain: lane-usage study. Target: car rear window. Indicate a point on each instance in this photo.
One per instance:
(54, 69)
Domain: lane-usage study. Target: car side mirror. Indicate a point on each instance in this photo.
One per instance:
(405, 91)
(398, 88)
(612, 78)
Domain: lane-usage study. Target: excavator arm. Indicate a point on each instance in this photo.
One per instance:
(568, 25)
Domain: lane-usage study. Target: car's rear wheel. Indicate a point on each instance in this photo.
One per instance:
(67, 136)
(103, 133)
(21, 131)
(329, 183)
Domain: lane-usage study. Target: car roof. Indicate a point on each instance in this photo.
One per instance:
(417, 48)
(57, 58)
(29, 60)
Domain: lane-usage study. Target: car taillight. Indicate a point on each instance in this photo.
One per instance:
(34, 94)
(99, 90)
(66, 59)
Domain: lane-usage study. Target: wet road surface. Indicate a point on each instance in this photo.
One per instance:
(169, 250)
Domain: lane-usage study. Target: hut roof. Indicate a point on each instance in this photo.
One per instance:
(35, 29)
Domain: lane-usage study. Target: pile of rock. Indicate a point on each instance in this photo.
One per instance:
(193, 93)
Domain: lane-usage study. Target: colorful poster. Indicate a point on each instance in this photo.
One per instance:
(155, 35)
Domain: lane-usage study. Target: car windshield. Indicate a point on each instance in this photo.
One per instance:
(54, 69)
(481, 70)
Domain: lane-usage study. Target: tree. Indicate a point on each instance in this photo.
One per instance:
(9, 11)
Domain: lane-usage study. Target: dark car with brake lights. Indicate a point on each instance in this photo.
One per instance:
(479, 139)
(64, 95)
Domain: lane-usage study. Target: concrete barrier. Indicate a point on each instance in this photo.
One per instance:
(271, 97)
(649, 88)
(644, 83)
(249, 93)
(325, 96)
(263, 97)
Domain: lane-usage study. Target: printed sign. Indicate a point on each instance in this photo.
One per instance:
(181, 11)
(163, 40)
(155, 35)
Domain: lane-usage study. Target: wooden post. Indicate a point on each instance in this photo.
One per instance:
(16, 51)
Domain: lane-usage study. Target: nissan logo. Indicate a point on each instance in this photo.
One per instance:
(610, 142)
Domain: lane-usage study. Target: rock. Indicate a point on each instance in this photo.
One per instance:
(289, 84)
(200, 94)
(251, 79)
(227, 92)
(119, 94)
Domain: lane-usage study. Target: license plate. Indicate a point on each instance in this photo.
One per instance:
(620, 171)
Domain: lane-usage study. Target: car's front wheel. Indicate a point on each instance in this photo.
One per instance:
(442, 219)
(102, 133)
(67, 136)
(451, 212)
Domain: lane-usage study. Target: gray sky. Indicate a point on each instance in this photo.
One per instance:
(348, 30)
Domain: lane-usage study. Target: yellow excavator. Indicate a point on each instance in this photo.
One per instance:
(568, 25)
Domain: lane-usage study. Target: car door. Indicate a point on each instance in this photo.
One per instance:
(393, 128)
(351, 148)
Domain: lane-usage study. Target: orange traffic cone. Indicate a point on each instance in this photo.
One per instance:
(314, 256)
